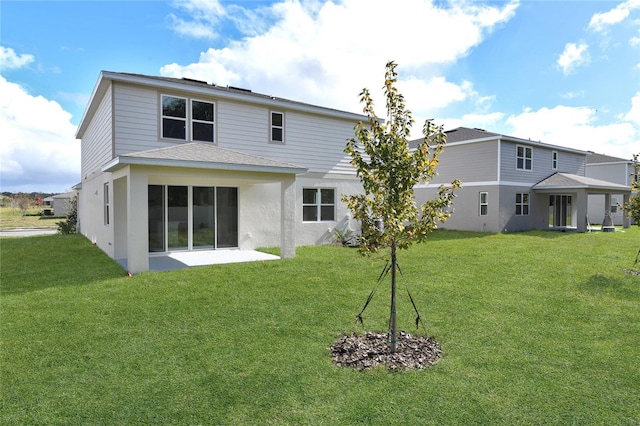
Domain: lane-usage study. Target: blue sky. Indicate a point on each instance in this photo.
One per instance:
(563, 72)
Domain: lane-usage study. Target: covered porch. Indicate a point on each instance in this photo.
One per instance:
(567, 198)
(198, 204)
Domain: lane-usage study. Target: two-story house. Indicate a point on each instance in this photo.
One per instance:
(181, 165)
(613, 169)
(514, 184)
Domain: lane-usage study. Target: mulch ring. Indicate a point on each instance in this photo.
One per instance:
(369, 350)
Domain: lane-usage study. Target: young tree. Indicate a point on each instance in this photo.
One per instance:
(632, 208)
(23, 202)
(70, 225)
(389, 170)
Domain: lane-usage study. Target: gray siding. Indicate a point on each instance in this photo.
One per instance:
(466, 208)
(136, 119)
(97, 146)
(508, 220)
(611, 172)
(469, 162)
(541, 163)
(313, 141)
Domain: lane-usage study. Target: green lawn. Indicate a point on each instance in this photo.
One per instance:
(536, 328)
(12, 218)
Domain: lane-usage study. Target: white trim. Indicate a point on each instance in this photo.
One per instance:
(212, 122)
(524, 158)
(123, 161)
(499, 138)
(478, 183)
(480, 203)
(272, 126)
(187, 104)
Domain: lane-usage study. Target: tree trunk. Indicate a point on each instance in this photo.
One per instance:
(392, 321)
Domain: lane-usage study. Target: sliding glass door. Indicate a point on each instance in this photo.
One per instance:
(227, 213)
(191, 218)
(560, 212)
(155, 199)
(203, 217)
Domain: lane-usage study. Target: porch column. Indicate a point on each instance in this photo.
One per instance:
(137, 222)
(607, 203)
(626, 220)
(288, 218)
(581, 209)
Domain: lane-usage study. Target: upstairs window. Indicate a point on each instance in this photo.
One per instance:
(277, 127)
(174, 118)
(522, 204)
(523, 157)
(554, 160)
(484, 203)
(176, 115)
(318, 204)
(202, 121)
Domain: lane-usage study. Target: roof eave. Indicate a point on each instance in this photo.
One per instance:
(272, 101)
(123, 161)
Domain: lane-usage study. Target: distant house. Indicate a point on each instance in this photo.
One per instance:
(48, 202)
(515, 184)
(62, 202)
(612, 169)
(173, 164)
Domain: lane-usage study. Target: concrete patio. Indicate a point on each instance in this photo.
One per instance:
(186, 259)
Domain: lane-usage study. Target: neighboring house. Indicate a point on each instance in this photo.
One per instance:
(612, 169)
(61, 203)
(48, 202)
(177, 164)
(514, 184)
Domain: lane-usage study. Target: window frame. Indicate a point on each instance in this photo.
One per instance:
(484, 203)
(193, 120)
(188, 120)
(554, 160)
(171, 117)
(524, 158)
(318, 204)
(523, 208)
(107, 205)
(273, 127)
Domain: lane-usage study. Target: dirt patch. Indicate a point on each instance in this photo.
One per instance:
(363, 351)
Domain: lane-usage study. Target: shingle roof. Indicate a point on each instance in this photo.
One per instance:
(465, 134)
(568, 180)
(601, 158)
(203, 155)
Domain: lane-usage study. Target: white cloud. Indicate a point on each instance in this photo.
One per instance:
(600, 22)
(204, 17)
(325, 53)
(573, 56)
(634, 113)
(39, 151)
(9, 59)
(573, 94)
(576, 127)
(487, 121)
